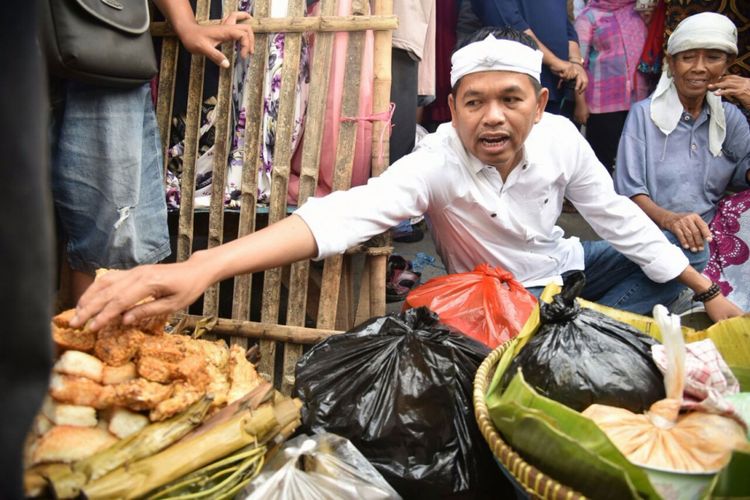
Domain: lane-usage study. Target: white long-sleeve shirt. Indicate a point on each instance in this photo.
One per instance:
(476, 218)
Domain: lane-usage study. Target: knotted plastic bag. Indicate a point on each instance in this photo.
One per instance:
(663, 438)
(399, 388)
(320, 467)
(487, 304)
(579, 357)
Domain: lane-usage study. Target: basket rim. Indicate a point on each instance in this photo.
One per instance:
(534, 481)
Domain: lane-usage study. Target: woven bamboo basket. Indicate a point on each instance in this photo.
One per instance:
(535, 483)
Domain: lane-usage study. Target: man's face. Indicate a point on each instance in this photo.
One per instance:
(493, 112)
(693, 70)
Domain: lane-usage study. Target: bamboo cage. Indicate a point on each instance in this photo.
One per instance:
(315, 302)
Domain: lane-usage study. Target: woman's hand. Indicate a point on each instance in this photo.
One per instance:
(720, 308)
(733, 87)
(581, 113)
(117, 294)
(203, 40)
(581, 77)
(690, 230)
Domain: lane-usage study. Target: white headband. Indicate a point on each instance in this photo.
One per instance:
(707, 30)
(492, 54)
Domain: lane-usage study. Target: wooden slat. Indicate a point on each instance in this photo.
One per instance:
(192, 126)
(344, 160)
(316, 107)
(381, 98)
(266, 332)
(282, 159)
(223, 116)
(165, 94)
(299, 24)
(253, 85)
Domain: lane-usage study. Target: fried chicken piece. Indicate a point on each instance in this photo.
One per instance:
(117, 348)
(170, 358)
(80, 391)
(73, 338)
(218, 387)
(167, 348)
(139, 394)
(242, 374)
(183, 396)
(216, 353)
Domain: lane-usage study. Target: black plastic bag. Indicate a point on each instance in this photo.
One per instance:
(399, 388)
(580, 356)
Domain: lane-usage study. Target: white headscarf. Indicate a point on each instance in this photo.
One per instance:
(706, 30)
(492, 54)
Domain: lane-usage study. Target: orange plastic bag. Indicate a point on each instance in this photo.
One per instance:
(487, 304)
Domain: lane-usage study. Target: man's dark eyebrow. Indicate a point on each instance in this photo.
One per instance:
(510, 89)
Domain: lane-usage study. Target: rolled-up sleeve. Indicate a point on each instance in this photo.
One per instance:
(571, 31)
(621, 222)
(630, 165)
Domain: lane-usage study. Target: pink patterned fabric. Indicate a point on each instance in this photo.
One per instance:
(363, 145)
(728, 264)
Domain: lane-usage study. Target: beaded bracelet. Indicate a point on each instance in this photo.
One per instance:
(709, 294)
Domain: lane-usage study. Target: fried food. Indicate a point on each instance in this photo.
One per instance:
(118, 374)
(139, 394)
(116, 349)
(68, 444)
(65, 414)
(123, 423)
(242, 375)
(183, 396)
(218, 387)
(72, 338)
(80, 391)
(79, 364)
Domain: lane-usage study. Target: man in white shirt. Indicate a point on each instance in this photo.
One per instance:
(491, 182)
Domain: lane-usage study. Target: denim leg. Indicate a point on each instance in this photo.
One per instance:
(613, 280)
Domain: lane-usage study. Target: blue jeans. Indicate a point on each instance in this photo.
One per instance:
(107, 177)
(613, 280)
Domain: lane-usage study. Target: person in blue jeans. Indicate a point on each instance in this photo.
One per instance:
(106, 159)
(492, 183)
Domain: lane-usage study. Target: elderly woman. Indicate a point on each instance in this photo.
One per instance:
(683, 147)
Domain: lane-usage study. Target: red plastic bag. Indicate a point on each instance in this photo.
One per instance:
(487, 304)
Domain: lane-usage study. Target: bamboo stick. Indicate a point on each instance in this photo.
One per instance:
(192, 126)
(263, 331)
(222, 112)
(282, 159)
(324, 23)
(380, 149)
(343, 170)
(165, 95)
(254, 84)
(308, 182)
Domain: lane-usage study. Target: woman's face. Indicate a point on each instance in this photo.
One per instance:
(694, 69)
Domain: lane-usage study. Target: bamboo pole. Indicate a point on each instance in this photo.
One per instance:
(253, 84)
(323, 23)
(192, 127)
(260, 330)
(380, 149)
(165, 95)
(343, 169)
(314, 125)
(282, 160)
(222, 112)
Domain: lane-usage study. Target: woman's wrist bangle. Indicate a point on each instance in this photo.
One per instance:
(709, 294)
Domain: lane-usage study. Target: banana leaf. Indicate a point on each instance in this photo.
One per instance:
(565, 444)
(733, 481)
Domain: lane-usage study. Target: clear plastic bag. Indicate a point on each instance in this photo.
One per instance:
(320, 467)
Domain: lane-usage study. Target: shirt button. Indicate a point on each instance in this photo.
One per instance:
(686, 118)
(546, 200)
(524, 167)
(694, 147)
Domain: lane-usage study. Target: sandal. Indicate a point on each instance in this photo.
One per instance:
(401, 279)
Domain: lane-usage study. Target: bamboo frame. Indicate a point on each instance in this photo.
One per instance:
(332, 312)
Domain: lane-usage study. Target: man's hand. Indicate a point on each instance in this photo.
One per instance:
(203, 40)
(581, 113)
(690, 230)
(720, 308)
(733, 87)
(564, 69)
(114, 295)
(582, 78)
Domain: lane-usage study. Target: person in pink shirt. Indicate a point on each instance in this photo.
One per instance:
(611, 35)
